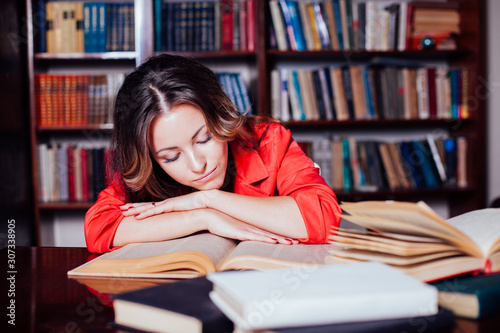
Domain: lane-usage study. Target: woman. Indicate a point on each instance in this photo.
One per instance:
(185, 161)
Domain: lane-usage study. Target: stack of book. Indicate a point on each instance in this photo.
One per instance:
(76, 99)
(360, 25)
(204, 26)
(77, 26)
(71, 173)
(363, 92)
(370, 165)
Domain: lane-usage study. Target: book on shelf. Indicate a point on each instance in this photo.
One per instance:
(197, 255)
(470, 296)
(71, 173)
(76, 99)
(204, 26)
(78, 26)
(369, 165)
(364, 25)
(180, 306)
(321, 295)
(387, 90)
(235, 88)
(414, 238)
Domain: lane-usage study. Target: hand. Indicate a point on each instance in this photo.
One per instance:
(142, 210)
(226, 226)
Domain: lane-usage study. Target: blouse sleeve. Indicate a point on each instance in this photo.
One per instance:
(102, 220)
(299, 178)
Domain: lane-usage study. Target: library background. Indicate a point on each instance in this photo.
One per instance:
(392, 99)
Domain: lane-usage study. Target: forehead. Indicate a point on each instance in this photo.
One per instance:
(179, 124)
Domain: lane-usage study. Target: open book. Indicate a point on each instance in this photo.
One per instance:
(414, 238)
(197, 255)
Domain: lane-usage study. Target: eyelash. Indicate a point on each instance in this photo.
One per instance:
(170, 160)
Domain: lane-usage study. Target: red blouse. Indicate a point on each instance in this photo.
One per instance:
(279, 167)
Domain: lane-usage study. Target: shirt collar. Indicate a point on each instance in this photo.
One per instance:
(249, 165)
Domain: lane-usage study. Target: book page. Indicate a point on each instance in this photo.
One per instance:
(187, 256)
(215, 247)
(259, 255)
(407, 218)
(482, 226)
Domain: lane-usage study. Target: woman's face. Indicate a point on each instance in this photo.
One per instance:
(183, 147)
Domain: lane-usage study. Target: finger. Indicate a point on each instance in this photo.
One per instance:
(137, 208)
(157, 209)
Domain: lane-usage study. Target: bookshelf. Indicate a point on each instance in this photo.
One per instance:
(257, 63)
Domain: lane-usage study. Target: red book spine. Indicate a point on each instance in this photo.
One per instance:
(251, 25)
(227, 24)
(409, 26)
(71, 173)
(431, 82)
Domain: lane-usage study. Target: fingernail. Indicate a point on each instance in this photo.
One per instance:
(274, 239)
(137, 215)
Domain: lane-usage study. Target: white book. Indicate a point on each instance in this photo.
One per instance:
(320, 295)
(275, 94)
(279, 25)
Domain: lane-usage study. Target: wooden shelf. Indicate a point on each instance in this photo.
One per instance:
(70, 128)
(86, 56)
(386, 123)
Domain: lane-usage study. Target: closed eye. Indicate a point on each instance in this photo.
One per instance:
(205, 140)
(169, 160)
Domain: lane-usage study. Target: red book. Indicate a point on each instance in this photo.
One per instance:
(227, 24)
(431, 82)
(71, 173)
(251, 25)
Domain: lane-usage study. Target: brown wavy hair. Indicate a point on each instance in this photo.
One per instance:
(152, 89)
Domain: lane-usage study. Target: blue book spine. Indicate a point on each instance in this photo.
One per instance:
(454, 79)
(102, 27)
(244, 92)
(293, 8)
(87, 29)
(41, 23)
(170, 30)
(422, 158)
(346, 159)
(406, 153)
(238, 97)
(338, 23)
(158, 23)
(296, 86)
(288, 25)
(368, 95)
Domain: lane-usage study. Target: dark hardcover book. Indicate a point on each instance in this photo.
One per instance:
(431, 84)
(319, 95)
(338, 23)
(41, 26)
(374, 165)
(183, 306)
(410, 165)
(362, 24)
(423, 160)
(329, 87)
(158, 25)
(470, 296)
(346, 77)
(443, 321)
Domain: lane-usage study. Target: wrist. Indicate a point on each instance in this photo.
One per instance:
(209, 198)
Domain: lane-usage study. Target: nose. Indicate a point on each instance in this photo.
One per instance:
(197, 162)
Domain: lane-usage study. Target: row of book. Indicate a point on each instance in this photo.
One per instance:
(360, 92)
(76, 99)
(360, 25)
(235, 88)
(74, 26)
(370, 165)
(71, 173)
(204, 26)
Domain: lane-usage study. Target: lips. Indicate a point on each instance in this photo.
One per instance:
(206, 176)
